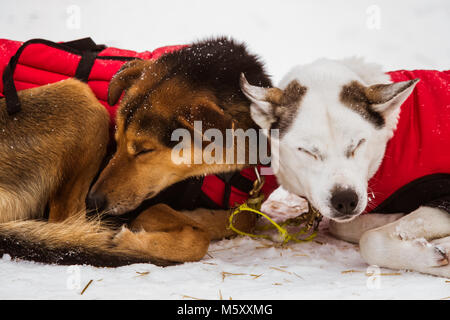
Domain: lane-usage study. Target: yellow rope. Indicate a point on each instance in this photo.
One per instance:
(285, 235)
(310, 219)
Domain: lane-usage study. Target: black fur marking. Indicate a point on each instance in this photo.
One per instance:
(288, 106)
(218, 64)
(21, 249)
(354, 97)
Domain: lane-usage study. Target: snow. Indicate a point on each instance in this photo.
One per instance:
(408, 34)
(239, 268)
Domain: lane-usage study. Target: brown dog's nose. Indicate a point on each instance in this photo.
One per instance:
(96, 201)
(344, 201)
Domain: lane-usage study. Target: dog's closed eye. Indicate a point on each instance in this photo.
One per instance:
(351, 152)
(310, 153)
(144, 151)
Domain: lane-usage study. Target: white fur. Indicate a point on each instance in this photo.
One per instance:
(419, 241)
(324, 123)
(326, 127)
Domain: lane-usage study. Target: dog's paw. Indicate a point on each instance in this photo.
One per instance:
(430, 254)
(124, 238)
(443, 245)
(391, 252)
(442, 267)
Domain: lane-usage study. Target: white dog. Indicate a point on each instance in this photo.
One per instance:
(351, 142)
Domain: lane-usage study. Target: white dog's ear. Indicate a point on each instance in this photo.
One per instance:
(262, 109)
(388, 97)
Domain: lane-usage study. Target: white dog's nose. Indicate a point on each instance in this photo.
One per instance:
(344, 201)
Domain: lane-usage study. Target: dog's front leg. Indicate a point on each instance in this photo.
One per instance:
(353, 230)
(163, 233)
(419, 241)
(216, 222)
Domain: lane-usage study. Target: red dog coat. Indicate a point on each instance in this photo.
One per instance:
(415, 169)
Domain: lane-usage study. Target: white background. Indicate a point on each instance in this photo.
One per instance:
(411, 34)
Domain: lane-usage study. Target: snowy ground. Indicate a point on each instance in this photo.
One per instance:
(400, 34)
(240, 268)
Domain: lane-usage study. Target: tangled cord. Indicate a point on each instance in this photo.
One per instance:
(309, 220)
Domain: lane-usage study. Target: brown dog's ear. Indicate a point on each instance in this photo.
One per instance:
(123, 79)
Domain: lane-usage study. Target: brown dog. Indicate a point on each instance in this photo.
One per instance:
(196, 83)
(49, 156)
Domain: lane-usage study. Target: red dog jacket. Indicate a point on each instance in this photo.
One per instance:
(415, 169)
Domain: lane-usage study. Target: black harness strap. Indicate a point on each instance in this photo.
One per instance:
(84, 44)
(9, 89)
(90, 51)
(226, 178)
(188, 197)
(85, 47)
(85, 65)
(242, 183)
(236, 180)
(432, 190)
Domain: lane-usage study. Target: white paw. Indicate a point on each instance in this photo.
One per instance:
(443, 245)
(429, 254)
(383, 250)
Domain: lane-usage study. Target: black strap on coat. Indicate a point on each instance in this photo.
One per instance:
(234, 179)
(85, 47)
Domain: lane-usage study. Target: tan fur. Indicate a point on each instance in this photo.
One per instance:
(74, 231)
(213, 221)
(167, 234)
(49, 152)
(164, 233)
